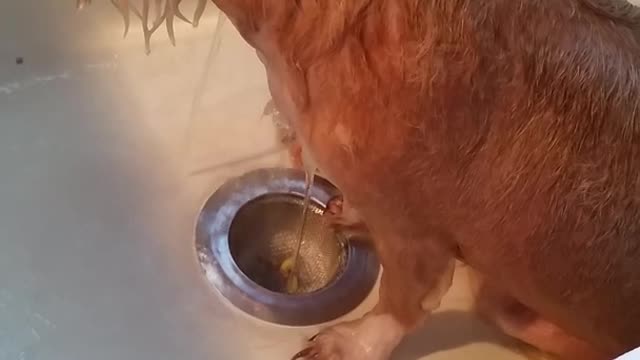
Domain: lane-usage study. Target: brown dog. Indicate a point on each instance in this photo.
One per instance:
(506, 132)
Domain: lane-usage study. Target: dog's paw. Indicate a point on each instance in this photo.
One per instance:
(295, 155)
(335, 205)
(343, 218)
(371, 338)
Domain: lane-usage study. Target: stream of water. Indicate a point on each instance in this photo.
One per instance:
(310, 172)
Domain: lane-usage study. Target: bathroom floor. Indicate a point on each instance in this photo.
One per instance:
(102, 173)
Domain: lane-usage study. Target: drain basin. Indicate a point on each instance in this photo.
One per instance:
(264, 233)
(250, 226)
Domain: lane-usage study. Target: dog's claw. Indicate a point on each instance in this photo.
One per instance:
(307, 353)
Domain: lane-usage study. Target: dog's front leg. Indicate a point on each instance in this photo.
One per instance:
(417, 274)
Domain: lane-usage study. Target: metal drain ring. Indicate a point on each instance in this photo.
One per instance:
(342, 295)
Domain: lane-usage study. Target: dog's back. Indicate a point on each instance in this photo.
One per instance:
(542, 154)
(555, 178)
(513, 128)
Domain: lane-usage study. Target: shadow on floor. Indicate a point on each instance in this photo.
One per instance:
(445, 331)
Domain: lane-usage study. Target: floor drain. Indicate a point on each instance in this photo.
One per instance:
(249, 226)
(264, 233)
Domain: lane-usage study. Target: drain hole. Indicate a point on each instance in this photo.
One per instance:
(264, 233)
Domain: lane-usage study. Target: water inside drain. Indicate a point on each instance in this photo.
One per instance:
(265, 233)
(289, 267)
